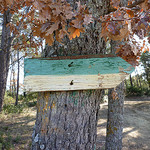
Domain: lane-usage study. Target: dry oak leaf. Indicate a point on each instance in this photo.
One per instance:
(60, 34)
(37, 31)
(78, 22)
(9, 2)
(38, 4)
(53, 28)
(115, 3)
(74, 32)
(145, 5)
(88, 19)
(130, 13)
(124, 32)
(49, 39)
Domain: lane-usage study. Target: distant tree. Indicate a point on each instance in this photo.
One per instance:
(145, 59)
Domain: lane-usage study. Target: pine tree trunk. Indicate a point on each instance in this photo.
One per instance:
(4, 55)
(10, 88)
(131, 83)
(2, 78)
(66, 120)
(139, 79)
(17, 92)
(14, 85)
(115, 118)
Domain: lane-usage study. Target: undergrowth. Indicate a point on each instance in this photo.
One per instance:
(24, 102)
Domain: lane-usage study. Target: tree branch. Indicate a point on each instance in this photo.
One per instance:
(111, 9)
(135, 3)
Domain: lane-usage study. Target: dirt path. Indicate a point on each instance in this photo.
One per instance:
(136, 133)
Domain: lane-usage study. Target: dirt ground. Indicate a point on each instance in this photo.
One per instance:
(136, 133)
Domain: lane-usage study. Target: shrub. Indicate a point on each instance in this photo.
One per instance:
(147, 92)
(9, 108)
(5, 143)
(134, 91)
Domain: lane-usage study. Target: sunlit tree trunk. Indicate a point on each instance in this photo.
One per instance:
(115, 118)
(4, 55)
(115, 110)
(68, 120)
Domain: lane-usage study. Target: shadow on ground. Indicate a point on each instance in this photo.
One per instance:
(136, 133)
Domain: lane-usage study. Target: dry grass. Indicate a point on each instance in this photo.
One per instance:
(18, 128)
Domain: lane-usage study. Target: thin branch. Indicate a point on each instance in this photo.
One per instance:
(16, 61)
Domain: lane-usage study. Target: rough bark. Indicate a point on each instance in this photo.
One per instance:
(115, 118)
(4, 55)
(66, 120)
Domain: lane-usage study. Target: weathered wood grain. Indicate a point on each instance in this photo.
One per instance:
(74, 74)
(90, 66)
(72, 82)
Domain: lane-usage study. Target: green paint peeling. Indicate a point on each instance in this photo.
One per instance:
(90, 66)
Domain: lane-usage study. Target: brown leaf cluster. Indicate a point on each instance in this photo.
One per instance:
(115, 3)
(55, 17)
(123, 24)
(51, 20)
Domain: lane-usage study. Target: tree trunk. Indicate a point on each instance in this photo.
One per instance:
(115, 118)
(139, 80)
(2, 77)
(4, 55)
(131, 83)
(17, 92)
(67, 120)
(115, 109)
(14, 84)
(10, 88)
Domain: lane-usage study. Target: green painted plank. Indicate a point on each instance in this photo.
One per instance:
(90, 66)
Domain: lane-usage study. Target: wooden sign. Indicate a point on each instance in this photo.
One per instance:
(74, 73)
